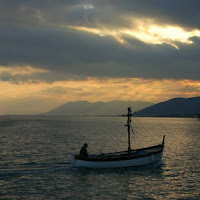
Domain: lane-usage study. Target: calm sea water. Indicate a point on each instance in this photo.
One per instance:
(35, 158)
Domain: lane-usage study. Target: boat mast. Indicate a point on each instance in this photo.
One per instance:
(128, 126)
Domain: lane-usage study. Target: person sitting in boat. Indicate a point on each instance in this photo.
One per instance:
(83, 151)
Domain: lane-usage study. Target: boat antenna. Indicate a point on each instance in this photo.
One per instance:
(128, 126)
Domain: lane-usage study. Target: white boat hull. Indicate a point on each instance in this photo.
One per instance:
(129, 158)
(146, 160)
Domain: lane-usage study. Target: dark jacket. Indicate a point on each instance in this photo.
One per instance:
(83, 151)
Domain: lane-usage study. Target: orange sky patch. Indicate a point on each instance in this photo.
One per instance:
(44, 96)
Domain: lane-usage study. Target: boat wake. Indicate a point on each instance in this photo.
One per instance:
(35, 168)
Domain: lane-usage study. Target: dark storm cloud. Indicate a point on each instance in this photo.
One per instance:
(16, 79)
(35, 33)
(183, 12)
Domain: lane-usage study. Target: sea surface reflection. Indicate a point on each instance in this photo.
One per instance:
(35, 158)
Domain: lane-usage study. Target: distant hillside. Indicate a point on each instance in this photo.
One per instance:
(98, 108)
(178, 107)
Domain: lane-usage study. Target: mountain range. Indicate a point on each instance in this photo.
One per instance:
(177, 107)
(98, 108)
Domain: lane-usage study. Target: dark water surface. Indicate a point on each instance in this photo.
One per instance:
(35, 158)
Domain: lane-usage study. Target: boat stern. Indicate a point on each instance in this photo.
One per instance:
(73, 160)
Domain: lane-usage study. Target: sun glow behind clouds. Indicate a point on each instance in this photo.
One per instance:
(22, 70)
(148, 33)
(101, 32)
(88, 6)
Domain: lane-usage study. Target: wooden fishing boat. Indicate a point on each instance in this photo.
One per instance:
(128, 158)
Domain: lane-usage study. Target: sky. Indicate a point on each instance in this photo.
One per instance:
(54, 52)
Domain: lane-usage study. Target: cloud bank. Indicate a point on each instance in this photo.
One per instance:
(140, 39)
(53, 52)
